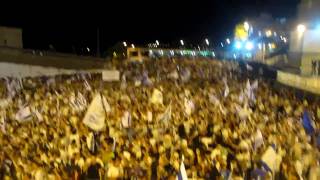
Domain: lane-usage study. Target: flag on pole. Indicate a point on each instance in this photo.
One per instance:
(182, 175)
(307, 123)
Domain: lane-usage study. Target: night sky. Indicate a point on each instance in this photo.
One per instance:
(75, 24)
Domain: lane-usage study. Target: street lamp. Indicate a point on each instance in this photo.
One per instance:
(181, 42)
(207, 42)
(301, 28)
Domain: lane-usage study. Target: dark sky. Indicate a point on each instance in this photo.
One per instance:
(75, 24)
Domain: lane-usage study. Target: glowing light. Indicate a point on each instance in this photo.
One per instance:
(260, 34)
(221, 44)
(260, 46)
(125, 44)
(238, 45)
(88, 49)
(268, 33)
(301, 28)
(181, 52)
(207, 41)
(157, 42)
(213, 54)
(150, 52)
(181, 42)
(249, 46)
(132, 45)
(172, 53)
(235, 56)
(228, 40)
(270, 46)
(246, 26)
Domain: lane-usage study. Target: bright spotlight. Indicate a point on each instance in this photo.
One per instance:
(301, 28)
(238, 45)
(246, 26)
(249, 46)
(228, 40)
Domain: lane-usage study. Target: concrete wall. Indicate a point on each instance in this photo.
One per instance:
(306, 63)
(23, 70)
(11, 37)
(311, 84)
(48, 59)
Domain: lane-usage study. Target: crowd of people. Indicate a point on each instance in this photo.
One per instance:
(164, 119)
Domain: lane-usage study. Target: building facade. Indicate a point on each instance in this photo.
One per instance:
(11, 37)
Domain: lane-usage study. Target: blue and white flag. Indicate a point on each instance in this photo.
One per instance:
(186, 75)
(307, 123)
(182, 175)
(146, 80)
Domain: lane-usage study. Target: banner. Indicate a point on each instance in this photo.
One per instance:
(110, 75)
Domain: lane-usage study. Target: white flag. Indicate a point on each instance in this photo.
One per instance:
(186, 75)
(87, 85)
(38, 115)
(4, 103)
(126, 120)
(249, 68)
(226, 91)
(182, 175)
(258, 139)
(2, 124)
(96, 113)
(174, 75)
(166, 116)
(189, 106)
(214, 100)
(24, 114)
(269, 159)
(157, 97)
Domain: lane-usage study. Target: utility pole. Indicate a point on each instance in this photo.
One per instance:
(98, 42)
